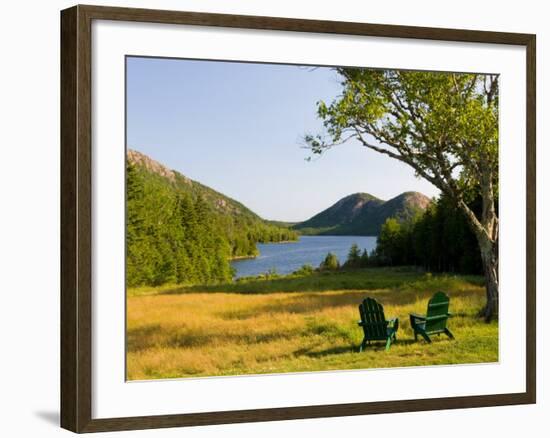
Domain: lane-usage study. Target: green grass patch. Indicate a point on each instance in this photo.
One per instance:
(353, 279)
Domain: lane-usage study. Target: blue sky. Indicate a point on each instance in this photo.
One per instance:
(239, 127)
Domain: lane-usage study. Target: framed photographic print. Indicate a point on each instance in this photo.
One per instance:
(270, 218)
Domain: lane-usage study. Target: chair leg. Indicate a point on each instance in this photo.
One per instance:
(426, 337)
(388, 343)
(448, 333)
(363, 345)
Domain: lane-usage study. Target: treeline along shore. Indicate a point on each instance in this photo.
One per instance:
(180, 231)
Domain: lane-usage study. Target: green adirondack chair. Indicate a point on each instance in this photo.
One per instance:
(374, 323)
(435, 321)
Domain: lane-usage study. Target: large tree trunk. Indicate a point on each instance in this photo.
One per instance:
(487, 239)
(489, 259)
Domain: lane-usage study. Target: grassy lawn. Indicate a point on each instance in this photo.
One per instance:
(298, 324)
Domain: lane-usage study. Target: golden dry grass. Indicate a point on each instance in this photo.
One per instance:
(215, 333)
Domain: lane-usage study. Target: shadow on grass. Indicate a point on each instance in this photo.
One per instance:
(368, 278)
(331, 351)
(376, 346)
(138, 339)
(143, 338)
(317, 302)
(312, 302)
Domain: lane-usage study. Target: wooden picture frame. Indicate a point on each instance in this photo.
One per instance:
(76, 218)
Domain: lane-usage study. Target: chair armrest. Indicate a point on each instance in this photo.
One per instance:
(360, 323)
(394, 323)
(417, 316)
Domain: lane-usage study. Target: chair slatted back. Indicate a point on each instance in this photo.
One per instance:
(373, 319)
(438, 312)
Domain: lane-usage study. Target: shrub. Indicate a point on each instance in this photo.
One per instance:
(305, 270)
(330, 263)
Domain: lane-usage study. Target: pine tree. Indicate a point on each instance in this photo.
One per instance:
(364, 262)
(354, 257)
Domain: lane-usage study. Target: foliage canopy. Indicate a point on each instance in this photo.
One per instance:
(443, 125)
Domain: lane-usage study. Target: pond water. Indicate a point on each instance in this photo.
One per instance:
(288, 257)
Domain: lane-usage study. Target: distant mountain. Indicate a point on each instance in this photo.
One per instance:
(362, 214)
(357, 214)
